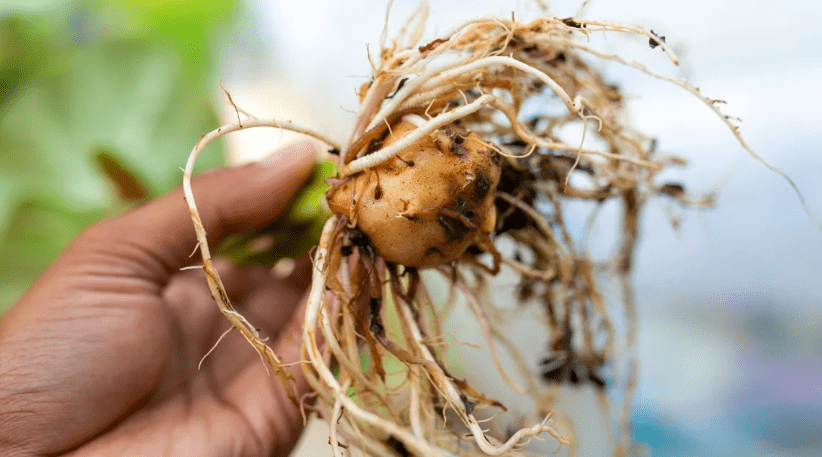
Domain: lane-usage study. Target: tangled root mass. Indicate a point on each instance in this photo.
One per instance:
(459, 166)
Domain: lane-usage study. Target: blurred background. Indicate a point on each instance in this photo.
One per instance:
(101, 101)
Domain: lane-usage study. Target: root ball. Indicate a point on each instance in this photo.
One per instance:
(425, 206)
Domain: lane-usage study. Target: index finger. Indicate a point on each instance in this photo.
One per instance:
(157, 239)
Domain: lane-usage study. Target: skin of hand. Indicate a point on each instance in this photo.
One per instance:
(100, 356)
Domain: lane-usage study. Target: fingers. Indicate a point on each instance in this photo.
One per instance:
(158, 238)
(266, 298)
(270, 414)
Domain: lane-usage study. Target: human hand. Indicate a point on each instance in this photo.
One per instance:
(100, 356)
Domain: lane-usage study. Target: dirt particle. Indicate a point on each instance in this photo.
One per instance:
(481, 186)
(374, 145)
(672, 189)
(495, 157)
(469, 405)
(433, 250)
(570, 22)
(655, 40)
(399, 86)
(454, 229)
(398, 447)
(432, 44)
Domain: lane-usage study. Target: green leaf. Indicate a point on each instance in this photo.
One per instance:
(183, 24)
(9, 197)
(308, 205)
(37, 229)
(84, 78)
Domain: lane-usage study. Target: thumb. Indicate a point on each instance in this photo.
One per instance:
(157, 238)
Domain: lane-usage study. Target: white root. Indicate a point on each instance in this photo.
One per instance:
(336, 412)
(616, 27)
(212, 276)
(316, 311)
(376, 158)
(574, 106)
(452, 395)
(489, 337)
(712, 105)
(529, 137)
(414, 409)
(409, 88)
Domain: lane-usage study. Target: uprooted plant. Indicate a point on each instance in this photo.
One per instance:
(458, 147)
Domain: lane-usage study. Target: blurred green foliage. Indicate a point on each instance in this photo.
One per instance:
(305, 217)
(132, 82)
